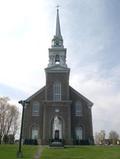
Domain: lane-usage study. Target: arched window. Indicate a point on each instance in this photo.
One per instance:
(79, 133)
(78, 108)
(35, 132)
(35, 108)
(57, 59)
(57, 91)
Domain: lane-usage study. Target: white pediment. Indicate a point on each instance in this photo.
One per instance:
(57, 67)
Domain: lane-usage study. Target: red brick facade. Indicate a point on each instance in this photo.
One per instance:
(58, 109)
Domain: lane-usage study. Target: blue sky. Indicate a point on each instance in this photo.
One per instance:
(91, 34)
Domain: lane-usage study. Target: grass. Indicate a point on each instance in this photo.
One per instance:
(82, 152)
(10, 151)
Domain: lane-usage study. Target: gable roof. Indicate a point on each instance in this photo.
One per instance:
(36, 93)
(89, 103)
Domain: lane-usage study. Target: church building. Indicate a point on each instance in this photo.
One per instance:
(57, 111)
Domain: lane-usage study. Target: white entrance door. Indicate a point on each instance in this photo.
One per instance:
(57, 128)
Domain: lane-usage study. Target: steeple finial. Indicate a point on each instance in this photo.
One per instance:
(57, 6)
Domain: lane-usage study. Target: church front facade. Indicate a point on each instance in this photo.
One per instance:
(57, 111)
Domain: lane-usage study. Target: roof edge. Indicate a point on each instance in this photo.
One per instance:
(90, 104)
(35, 94)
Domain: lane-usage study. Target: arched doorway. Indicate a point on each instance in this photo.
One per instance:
(57, 128)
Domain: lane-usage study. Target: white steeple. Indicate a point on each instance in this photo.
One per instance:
(57, 52)
(57, 39)
(58, 30)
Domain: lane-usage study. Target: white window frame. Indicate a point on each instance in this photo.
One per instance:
(35, 108)
(35, 133)
(79, 133)
(57, 91)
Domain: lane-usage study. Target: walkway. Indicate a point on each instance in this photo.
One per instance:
(38, 153)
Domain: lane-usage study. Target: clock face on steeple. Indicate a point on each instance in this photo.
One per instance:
(57, 42)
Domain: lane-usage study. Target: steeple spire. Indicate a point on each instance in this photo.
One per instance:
(58, 30)
(57, 40)
(57, 52)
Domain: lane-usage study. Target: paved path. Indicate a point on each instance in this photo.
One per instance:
(38, 153)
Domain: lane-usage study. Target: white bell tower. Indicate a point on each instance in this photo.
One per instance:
(57, 52)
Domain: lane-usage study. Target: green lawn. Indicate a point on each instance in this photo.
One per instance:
(82, 152)
(9, 151)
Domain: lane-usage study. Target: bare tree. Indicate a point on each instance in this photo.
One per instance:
(9, 116)
(97, 139)
(113, 136)
(15, 123)
(100, 137)
(3, 107)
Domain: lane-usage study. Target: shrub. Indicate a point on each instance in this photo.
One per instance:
(30, 142)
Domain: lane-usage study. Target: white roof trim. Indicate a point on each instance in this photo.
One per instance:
(35, 94)
(90, 104)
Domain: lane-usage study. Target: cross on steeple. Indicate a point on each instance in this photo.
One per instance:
(57, 6)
